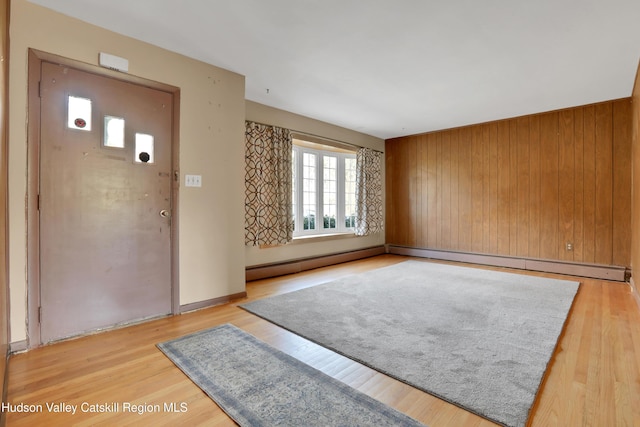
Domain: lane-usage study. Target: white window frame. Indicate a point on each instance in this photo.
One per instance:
(298, 194)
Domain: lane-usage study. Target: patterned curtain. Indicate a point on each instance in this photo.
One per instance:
(268, 209)
(369, 217)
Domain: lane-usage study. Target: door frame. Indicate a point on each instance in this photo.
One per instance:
(36, 58)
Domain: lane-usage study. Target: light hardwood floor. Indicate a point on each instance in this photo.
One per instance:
(593, 378)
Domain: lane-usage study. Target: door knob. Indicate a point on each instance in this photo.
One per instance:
(165, 213)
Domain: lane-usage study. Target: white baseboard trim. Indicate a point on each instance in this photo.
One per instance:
(605, 272)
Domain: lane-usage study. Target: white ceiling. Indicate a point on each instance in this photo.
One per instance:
(391, 68)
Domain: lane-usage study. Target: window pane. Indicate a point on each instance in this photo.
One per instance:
(79, 113)
(144, 148)
(309, 191)
(350, 192)
(294, 185)
(330, 193)
(113, 132)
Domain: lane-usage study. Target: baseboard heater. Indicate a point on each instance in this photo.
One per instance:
(597, 271)
(303, 264)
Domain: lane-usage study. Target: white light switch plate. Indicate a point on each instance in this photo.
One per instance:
(193, 180)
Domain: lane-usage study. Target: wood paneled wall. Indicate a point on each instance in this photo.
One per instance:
(521, 187)
(635, 197)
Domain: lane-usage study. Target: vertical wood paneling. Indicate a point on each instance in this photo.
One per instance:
(621, 182)
(549, 185)
(445, 149)
(493, 188)
(504, 185)
(534, 195)
(635, 186)
(402, 198)
(416, 198)
(455, 196)
(604, 183)
(513, 188)
(423, 156)
(523, 187)
(476, 195)
(589, 173)
(486, 191)
(432, 190)
(416, 194)
(566, 184)
(414, 233)
(578, 221)
(439, 196)
(464, 189)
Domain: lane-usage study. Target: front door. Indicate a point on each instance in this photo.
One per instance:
(104, 202)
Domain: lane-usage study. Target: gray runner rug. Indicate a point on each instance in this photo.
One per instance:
(479, 339)
(258, 385)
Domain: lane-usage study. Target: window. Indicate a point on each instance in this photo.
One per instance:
(350, 192)
(324, 188)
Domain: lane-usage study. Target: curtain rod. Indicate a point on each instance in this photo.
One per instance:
(335, 141)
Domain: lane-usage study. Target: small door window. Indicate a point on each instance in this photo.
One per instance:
(79, 113)
(113, 132)
(144, 148)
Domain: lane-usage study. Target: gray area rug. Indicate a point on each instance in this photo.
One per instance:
(479, 339)
(258, 385)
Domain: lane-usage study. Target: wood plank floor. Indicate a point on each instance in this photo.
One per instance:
(593, 380)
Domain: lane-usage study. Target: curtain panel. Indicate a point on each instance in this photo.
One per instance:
(268, 169)
(369, 217)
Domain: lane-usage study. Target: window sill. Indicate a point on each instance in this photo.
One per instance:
(322, 237)
(314, 238)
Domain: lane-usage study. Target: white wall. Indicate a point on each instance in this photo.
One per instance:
(307, 248)
(212, 111)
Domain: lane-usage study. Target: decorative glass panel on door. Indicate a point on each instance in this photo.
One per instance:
(79, 113)
(144, 148)
(113, 132)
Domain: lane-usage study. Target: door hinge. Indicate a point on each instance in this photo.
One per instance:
(40, 314)
(39, 89)
(176, 176)
(38, 202)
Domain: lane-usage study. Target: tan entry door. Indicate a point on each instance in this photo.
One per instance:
(105, 200)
